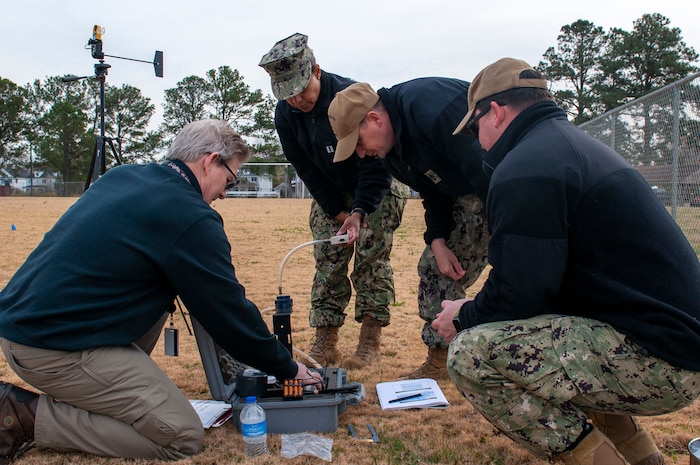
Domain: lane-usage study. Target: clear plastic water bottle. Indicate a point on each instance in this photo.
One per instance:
(254, 428)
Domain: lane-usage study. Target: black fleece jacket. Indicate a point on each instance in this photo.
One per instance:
(426, 156)
(576, 230)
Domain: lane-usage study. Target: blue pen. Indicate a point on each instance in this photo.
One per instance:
(398, 399)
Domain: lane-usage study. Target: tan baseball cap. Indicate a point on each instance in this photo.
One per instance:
(346, 111)
(497, 77)
(289, 65)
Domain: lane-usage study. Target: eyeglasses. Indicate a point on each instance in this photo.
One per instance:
(235, 181)
(473, 127)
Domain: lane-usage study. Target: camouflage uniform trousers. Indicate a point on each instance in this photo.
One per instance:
(372, 275)
(535, 379)
(469, 242)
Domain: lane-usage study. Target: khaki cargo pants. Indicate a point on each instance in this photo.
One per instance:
(108, 401)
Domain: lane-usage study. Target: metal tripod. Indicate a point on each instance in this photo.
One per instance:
(98, 162)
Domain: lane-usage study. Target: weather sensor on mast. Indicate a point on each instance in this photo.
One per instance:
(98, 164)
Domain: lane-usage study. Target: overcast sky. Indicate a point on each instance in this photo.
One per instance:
(380, 42)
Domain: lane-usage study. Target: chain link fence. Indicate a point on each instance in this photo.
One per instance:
(39, 188)
(659, 134)
(270, 180)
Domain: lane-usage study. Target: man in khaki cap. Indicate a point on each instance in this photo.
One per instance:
(593, 301)
(356, 197)
(410, 126)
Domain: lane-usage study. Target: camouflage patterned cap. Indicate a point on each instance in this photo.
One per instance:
(289, 65)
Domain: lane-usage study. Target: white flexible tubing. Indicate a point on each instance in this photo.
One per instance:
(308, 357)
(279, 286)
(284, 260)
(267, 310)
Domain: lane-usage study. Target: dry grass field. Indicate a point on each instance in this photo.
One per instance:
(262, 232)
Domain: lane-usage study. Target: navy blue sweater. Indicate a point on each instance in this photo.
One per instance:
(575, 230)
(114, 262)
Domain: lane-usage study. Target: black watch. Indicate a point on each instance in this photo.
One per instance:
(363, 214)
(457, 323)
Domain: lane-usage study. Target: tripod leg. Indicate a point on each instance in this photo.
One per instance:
(103, 160)
(114, 152)
(96, 161)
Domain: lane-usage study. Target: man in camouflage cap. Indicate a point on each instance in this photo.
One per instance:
(357, 197)
(591, 312)
(289, 66)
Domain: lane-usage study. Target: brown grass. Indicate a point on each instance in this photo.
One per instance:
(262, 232)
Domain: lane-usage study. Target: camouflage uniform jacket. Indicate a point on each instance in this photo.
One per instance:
(309, 144)
(576, 230)
(426, 156)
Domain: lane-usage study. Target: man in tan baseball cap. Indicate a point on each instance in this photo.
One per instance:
(349, 109)
(505, 74)
(410, 126)
(584, 321)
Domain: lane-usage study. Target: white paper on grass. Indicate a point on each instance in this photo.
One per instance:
(427, 394)
(213, 413)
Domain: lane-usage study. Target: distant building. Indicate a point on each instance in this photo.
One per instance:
(21, 180)
(253, 185)
(663, 177)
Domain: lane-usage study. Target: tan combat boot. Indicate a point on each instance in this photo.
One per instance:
(594, 449)
(435, 365)
(630, 439)
(368, 347)
(323, 349)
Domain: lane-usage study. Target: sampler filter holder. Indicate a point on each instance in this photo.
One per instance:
(313, 412)
(297, 411)
(281, 321)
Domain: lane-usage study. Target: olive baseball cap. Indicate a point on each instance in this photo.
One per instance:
(289, 65)
(497, 77)
(346, 111)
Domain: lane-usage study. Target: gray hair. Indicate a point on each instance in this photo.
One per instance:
(206, 136)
